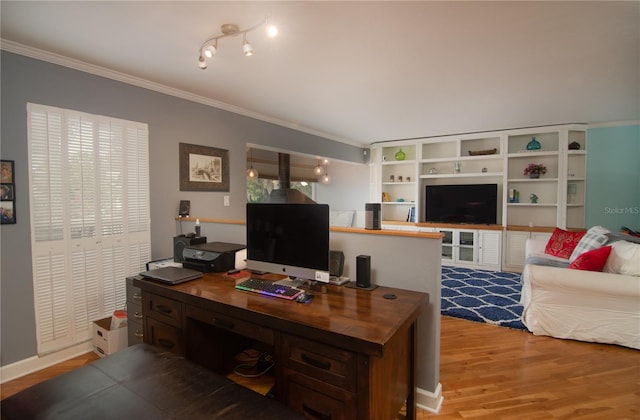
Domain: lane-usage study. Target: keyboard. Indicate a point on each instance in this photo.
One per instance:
(268, 288)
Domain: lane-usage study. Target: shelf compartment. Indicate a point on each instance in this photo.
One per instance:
(521, 214)
(549, 142)
(463, 175)
(389, 153)
(478, 145)
(440, 149)
(530, 180)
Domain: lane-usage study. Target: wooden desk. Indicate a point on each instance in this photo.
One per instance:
(347, 354)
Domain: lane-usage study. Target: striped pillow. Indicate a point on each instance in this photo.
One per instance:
(594, 238)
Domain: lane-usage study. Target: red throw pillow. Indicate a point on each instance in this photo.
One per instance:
(593, 260)
(562, 243)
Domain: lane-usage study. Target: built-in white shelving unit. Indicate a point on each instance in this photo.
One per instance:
(484, 158)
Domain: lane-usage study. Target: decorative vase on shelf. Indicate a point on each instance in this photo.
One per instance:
(400, 155)
(533, 145)
(574, 146)
(534, 176)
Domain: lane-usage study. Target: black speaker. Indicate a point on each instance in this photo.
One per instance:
(184, 208)
(336, 263)
(181, 242)
(372, 216)
(363, 271)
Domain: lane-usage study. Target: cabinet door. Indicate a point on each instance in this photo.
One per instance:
(466, 243)
(447, 245)
(514, 252)
(489, 249)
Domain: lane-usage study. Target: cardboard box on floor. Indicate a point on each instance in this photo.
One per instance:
(107, 341)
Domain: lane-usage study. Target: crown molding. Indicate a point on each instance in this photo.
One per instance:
(61, 60)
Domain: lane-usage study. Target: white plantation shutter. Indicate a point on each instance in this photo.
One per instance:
(89, 189)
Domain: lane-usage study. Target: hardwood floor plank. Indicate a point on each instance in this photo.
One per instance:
(490, 372)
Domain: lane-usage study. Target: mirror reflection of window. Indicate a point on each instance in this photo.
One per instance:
(258, 189)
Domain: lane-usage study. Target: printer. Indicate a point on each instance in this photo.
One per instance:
(213, 257)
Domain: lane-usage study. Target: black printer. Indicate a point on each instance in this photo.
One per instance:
(212, 257)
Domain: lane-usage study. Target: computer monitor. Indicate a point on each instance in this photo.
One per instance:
(290, 239)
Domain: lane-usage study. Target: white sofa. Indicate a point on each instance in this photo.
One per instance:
(582, 305)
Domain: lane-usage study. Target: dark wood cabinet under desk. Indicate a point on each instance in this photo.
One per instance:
(347, 354)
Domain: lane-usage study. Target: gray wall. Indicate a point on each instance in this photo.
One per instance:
(171, 121)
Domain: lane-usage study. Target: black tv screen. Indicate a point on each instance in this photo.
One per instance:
(472, 203)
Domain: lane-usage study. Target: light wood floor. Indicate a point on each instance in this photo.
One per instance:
(490, 372)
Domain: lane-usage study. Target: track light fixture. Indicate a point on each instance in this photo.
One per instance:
(209, 47)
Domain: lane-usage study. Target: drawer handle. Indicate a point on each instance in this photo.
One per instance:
(223, 324)
(138, 334)
(315, 413)
(317, 363)
(137, 296)
(164, 309)
(137, 315)
(165, 343)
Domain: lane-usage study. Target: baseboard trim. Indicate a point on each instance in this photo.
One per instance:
(430, 401)
(35, 363)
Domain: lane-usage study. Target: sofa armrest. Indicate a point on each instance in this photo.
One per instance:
(536, 247)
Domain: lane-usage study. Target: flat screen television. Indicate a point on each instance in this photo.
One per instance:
(287, 238)
(468, 203)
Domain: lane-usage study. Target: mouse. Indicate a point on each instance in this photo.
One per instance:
(304, 297)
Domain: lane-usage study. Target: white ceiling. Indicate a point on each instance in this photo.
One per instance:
(365, 71)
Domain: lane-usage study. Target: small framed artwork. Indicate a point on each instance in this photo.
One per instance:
(203, 168)
(7, 193)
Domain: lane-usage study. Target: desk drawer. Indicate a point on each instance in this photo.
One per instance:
(135, 333)
(166, 310)
(134, 312)
(328, 364)
(134, 294)
(164, 336)
(246, 329)
(317, 400)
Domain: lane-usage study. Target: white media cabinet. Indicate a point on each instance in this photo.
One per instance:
(496, 157)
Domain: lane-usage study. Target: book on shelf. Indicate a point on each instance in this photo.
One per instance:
(385, 197)
(411, 215)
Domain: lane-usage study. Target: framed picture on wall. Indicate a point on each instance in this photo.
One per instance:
(203, 168)
(7, 193)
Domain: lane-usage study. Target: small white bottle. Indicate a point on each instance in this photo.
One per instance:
(197, 227)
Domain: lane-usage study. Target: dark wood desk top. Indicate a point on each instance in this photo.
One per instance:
(357, 320)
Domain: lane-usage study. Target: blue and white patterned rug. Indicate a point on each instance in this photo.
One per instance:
(483, 296)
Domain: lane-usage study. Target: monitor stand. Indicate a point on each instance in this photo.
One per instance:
(291, 282)
(306, 284)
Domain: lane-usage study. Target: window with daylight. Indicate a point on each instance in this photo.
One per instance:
(89, 196)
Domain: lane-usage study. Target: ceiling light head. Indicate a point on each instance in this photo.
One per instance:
(325, 178)
(247, 49)
(211, 49)
(272, 31)
(202, 63)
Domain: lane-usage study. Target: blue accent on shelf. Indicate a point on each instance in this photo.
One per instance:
(492, 297)
(533, 144)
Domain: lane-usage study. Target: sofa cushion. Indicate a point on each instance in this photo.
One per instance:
(562, 243)
(624, 259)
(592, 260)
(594, 238)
